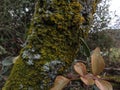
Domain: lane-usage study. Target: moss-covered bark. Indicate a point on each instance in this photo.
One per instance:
(52, 44)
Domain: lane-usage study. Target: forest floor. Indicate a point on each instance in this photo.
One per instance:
(111, 73)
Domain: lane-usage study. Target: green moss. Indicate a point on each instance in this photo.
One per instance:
(54, 34)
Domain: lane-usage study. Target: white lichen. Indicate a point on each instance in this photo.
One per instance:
(36, 56)
(53, 65)
(30, 62)
(21, 86)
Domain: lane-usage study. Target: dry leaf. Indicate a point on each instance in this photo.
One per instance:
(103, 85)
(60, 83)
(97, 62)
(80, 68)
(88, 79)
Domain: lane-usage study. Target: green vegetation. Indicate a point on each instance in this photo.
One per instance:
(14, 23)
(54, 34)
(114, 55)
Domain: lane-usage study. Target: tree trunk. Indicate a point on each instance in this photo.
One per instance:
(52, 43)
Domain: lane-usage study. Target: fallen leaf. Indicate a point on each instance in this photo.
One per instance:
(97, 62)
(80, 68)
(103, 85)
(60, 83)
(88, 79)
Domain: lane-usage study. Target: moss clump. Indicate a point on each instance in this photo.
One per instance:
(54, 34)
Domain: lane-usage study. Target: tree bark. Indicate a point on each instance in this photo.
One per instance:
(52, 44)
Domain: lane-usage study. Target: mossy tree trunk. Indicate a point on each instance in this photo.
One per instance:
(52, 43)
